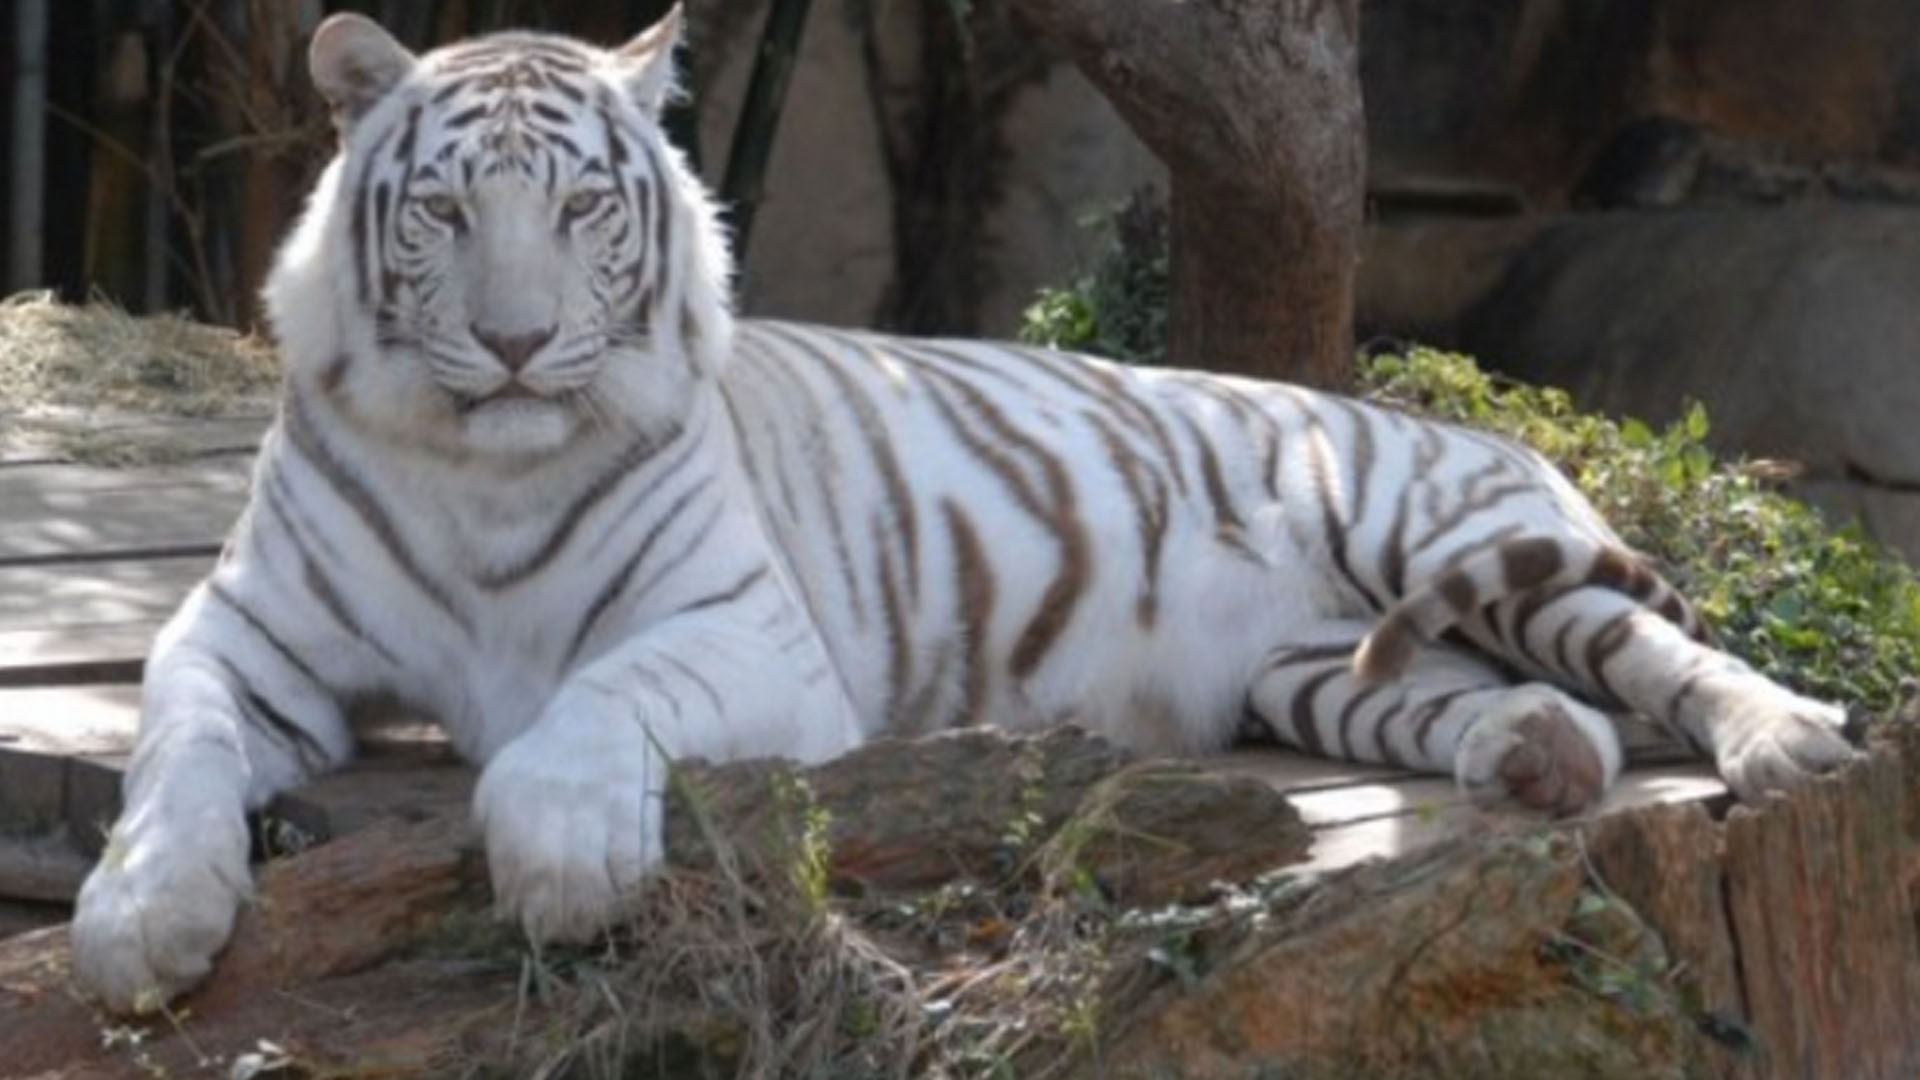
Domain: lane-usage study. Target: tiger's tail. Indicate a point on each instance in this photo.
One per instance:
(1509, 569)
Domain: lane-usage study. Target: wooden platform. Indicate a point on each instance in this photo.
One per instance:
(93, 559)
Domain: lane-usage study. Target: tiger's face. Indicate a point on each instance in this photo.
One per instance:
(507, 222)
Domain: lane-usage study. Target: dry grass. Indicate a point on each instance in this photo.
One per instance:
(760, 972)
(76, 380)
(718, 980)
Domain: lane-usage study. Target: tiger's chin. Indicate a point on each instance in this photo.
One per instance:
(517, 426)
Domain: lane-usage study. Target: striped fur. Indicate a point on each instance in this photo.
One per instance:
(531, 477)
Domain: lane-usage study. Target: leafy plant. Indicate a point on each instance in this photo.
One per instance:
(1119, 308)
(1821, 608)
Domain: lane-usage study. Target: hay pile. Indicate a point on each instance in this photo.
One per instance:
(77, 380)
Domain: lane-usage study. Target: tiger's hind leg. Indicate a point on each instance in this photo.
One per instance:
(1606, 646)
(1450, 712)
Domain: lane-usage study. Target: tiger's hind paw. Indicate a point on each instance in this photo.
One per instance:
(1539, 750)
(1770, 741)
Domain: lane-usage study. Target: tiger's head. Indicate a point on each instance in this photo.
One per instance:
(506, 255)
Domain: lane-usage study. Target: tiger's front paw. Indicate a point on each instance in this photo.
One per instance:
(158, 907)
(1769, 739)
(571, 811)
(1540, 750)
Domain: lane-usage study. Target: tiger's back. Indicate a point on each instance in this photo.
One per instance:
(997, 533)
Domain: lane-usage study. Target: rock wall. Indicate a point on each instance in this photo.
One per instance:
(1796, 325)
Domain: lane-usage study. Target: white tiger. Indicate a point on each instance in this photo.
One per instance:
(533, 478)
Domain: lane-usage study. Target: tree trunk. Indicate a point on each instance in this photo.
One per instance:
(1256, 111)
(27, 155)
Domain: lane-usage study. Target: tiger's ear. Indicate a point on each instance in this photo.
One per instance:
(354, 64)
(645, 64)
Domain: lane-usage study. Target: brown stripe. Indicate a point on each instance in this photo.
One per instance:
(651, 680)
(724, 596)
(323, 590)
(621, 468)
(899, 640)
(1429, 712)
(279, 505)
(1307, 654)
(1305, 732)
(1059, 514)
(821, 461)
(261, 715)
(1361, 456)
(1228, 527)
(1672, 718)
(1524, 613)
(873, 433)
(335, 372)
(692, 440)
(1458, 590)
(1529, 563)
(701, 682)
(974, 582)
(1106, 386)
(259, 626)
(1321, 468)
(618, 582)
(1603, 646)
(302, 437)
(1344, 726)
(1148, 492)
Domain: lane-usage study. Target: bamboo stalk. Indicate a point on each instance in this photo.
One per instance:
(27, 206)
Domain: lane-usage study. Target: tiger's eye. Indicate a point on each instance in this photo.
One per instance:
(582, 202)
(444, 207)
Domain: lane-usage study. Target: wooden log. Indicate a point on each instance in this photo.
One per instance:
(1664, 862)
(1819, 912)
(1659, 943)
(296, 972)
(43, 867)
(905, 814)
(327, 923)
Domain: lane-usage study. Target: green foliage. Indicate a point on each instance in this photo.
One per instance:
(1118, 309)
(809, 848)
(1819, 608)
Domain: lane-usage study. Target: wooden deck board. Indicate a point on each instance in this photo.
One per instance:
(93, 594)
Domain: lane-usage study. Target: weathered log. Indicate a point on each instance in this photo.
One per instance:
(1818, 906)
(906, 814)
(1664, 863)
(1453, 962)
(1657, 943)
(312, 962)
(1780, 943)
(331, 911)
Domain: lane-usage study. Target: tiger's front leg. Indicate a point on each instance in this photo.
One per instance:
(572, 809)
(229, 716)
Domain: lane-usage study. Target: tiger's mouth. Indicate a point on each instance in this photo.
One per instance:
(512, 392)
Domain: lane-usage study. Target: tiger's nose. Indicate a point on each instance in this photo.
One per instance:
(512, 350)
